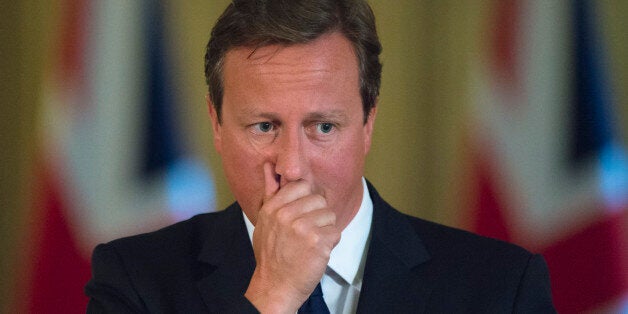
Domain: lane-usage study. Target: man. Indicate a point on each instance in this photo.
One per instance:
(292, 98)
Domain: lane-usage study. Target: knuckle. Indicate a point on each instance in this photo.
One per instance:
(314, 239)
(327, 253)
(316, 201)
(332, 217)
(303, 187)
(283, 216)
(300, 227)
(320, 201)
(336, 238)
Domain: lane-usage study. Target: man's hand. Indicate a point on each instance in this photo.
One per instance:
(294, 235)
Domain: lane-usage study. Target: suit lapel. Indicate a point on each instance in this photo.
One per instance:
(394, 277)
(230, 262)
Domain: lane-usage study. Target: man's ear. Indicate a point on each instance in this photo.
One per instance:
(368, 129)
(216, 127)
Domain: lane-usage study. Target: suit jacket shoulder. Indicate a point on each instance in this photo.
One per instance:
(177, 269)
(416, 266)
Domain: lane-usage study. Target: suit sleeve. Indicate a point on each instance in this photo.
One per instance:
(534, 294)
(110, 290)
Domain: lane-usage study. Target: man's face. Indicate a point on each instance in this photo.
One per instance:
(297, 108)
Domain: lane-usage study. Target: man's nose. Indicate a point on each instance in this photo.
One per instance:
(291, 157)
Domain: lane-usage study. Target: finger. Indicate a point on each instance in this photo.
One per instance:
(318, 221)
(333, 234)
(301, 206)
(319, 228)
(271, 184)
(289, 193)
(321, 217)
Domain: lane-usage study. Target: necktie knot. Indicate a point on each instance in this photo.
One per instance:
(315, 304)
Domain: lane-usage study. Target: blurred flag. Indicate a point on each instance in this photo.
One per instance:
(549, 169)
(113, 161)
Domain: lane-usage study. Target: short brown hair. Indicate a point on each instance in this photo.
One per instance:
(258, 23)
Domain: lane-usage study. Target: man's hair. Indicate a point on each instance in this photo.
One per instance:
(259, 23)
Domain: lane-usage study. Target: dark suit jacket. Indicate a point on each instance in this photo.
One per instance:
(413, 266)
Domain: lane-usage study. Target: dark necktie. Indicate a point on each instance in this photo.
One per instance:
(315, 304)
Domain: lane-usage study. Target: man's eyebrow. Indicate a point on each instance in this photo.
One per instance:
(334, 115)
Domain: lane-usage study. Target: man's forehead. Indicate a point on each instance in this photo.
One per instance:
(332, 45)
(311, 79)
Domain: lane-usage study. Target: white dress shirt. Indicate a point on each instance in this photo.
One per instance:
(342, 280)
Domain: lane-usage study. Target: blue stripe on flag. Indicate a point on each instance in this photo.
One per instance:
(188, 187)
(162, 142)
(592, 128)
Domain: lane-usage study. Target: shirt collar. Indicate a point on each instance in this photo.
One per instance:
(347, 257)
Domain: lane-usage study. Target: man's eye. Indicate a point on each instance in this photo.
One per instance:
(263, 127)
(324, 127)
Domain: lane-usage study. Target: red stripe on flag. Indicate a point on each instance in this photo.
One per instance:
(504, 44)
(72, 39)
(505, 39)
(489, 217)
(60, 270)
(590, 268)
